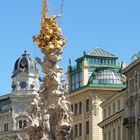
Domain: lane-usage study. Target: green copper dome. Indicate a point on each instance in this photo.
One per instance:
(96, 68)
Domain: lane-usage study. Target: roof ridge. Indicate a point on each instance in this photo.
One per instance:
(100, 52)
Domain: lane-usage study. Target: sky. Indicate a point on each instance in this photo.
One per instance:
(113, 25)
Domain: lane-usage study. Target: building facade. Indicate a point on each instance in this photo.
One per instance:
(96, 77)
(15, 107)
(124, 124)
(113, 115)
(132, 111)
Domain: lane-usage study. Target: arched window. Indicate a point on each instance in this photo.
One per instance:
(22, 124)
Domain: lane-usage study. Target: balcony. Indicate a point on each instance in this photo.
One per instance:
(129, 121)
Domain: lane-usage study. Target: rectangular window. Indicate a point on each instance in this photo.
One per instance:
(104, 115)
(109, 111)
(5, 127)
(119, 105)
(24, 123)
(131, 85)
(80, 129)
(103, 61)
(81, 79)
(73, 82)
(109, 62)
(114, 107)
(106, 62)
(76, 108)
(76, 81)
(99, 61)
(113, 62)
(96, 61)
(80, 107)
(20, 124)
(133, 110)
(87, 105)
(72, 108)
(136, 80)
(87, 127)
(76, 130)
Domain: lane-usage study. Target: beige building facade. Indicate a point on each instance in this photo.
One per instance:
(88, 113)
(95, 78)
(113, 115)
(121, 112)
(132, 110)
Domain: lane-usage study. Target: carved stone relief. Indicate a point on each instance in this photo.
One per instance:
(95, 106)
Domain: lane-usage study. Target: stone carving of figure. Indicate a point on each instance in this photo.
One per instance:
(95, 106)
(55, 115)
(34, 114)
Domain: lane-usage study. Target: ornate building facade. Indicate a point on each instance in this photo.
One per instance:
(15, 107)
(132, 111)
(124, 123)
(96, 77)
(113, 115)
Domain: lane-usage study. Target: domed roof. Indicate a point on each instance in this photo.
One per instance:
(24, 63)
(108, 77)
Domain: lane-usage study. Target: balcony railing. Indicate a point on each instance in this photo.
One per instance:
(129, 121)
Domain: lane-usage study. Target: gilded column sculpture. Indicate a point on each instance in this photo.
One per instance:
(50, 116)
